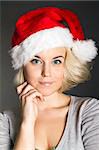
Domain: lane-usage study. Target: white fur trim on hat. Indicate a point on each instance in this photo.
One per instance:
(42, 40)
(47, 39)
(84, 50)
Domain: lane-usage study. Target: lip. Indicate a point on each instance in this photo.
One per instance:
(46, 83)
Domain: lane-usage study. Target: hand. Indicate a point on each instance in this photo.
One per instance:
(29, 98)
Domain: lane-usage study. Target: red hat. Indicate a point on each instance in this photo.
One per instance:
(46, 28)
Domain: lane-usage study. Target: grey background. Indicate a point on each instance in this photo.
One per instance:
(88, 13)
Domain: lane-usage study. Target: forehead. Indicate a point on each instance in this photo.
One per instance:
(53, 52)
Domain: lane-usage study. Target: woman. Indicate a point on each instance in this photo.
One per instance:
(52, 56)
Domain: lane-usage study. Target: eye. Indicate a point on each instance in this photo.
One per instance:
(57, 62)
(36, 61)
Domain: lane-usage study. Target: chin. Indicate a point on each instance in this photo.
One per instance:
(46, 92)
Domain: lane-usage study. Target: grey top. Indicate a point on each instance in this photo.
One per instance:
(80, 133)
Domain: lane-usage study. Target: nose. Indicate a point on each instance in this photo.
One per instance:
(46, 71)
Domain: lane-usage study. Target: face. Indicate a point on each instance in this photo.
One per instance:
(45, 71)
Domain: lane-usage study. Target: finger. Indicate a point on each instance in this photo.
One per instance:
(20, 87)
(33, 93)
(26, 89)
(31, 97)
(39, 95)
(23, 94)
(28, 98)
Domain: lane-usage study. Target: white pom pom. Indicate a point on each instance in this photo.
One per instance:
(84, 50)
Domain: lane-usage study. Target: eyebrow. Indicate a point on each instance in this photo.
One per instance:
(53, 58)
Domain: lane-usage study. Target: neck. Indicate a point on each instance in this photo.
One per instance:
(54, 100)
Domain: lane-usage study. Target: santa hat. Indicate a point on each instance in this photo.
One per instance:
(46, 28)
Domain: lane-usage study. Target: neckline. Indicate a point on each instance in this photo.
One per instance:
(66, 125)
(59, 145)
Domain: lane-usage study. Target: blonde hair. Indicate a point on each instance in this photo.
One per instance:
(19, 77)
(76, 72)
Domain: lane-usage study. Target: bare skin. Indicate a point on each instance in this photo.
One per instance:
(44, 108)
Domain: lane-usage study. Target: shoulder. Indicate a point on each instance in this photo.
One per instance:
(89, 108)
(87, 114)
(9, 123)
(86, 108)
(7, 116)
(86, 104)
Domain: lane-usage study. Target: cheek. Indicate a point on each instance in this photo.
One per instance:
(59, 73)
(32, 75)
